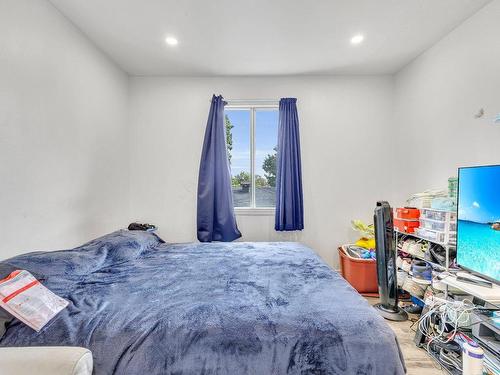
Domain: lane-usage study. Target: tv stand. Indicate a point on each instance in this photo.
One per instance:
(471, 279)
(487, 294)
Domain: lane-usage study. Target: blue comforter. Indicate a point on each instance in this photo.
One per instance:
(145, 307)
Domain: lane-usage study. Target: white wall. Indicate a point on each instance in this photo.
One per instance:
(363, 138)
(343, 124)
(437, 96)
(65, 117)
(63, 133)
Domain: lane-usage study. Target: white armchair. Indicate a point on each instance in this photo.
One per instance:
(46, 360)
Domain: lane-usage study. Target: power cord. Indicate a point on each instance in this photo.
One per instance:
(450, 358)
(433, 325)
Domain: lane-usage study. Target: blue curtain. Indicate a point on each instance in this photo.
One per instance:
(289, 205)
(215, 220)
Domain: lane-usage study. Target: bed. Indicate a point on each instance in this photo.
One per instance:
(145, 306)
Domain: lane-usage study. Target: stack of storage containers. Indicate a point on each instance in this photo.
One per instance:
(453, 188)
(438, 226)
(406, 219)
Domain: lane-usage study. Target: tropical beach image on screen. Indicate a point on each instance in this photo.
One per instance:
(478, 245)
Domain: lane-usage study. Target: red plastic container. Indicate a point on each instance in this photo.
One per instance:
(407, 226)
(360, 273)
(407, 213)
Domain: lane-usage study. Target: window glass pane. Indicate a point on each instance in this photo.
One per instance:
(238, 144)
(266, 141)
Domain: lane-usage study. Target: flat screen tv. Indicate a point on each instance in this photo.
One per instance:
(478, 227)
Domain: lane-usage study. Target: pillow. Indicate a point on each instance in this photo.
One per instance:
(122, 245)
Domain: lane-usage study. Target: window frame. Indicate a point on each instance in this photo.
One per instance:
(253, 106)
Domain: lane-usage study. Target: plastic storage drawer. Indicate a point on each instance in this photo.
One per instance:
(436, 236)
(439, 215)
(441, 226)
(406, 226)
(407, 213)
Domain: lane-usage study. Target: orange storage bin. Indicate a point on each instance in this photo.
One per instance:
(407, 213)
(360, 273)
(406, 226)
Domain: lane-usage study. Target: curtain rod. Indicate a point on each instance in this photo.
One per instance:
(251, 101)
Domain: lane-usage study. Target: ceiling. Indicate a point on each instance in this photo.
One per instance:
(265, 37)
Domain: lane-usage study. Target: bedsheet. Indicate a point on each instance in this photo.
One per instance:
(143, 306)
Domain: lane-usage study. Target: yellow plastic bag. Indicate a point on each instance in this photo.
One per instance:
(367, 232)
(367, 243)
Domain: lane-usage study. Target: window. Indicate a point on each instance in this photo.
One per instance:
(252, 136)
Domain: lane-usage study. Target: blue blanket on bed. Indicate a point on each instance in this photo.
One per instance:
(145, 307)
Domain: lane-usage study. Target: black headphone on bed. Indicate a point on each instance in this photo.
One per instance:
(144, 227)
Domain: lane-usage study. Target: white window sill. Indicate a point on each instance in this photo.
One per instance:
(254, 211)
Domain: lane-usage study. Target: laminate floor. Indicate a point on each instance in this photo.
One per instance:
(417, 360)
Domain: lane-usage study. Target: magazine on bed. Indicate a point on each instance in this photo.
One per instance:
(29, 301)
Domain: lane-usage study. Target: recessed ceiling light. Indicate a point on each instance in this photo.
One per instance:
(356, 39)
(171, 41)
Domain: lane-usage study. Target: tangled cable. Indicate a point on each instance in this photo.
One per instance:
(433, 325)
(450, 358)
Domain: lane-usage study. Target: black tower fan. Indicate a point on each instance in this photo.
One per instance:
(386, 264)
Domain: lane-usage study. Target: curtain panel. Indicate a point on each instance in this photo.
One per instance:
(289, 200)
(216, 220)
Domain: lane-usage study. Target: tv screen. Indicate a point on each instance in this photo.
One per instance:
(478, 231)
